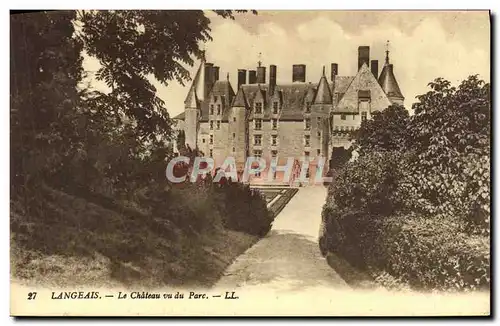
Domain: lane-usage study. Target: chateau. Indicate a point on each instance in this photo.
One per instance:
(277, 121)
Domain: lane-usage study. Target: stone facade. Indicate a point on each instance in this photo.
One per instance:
(278, 121)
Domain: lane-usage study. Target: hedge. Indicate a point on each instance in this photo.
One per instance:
(366, 221)
(425, 253)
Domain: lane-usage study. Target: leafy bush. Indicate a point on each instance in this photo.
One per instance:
(418, 207)
(244, 209)
(449, 173)
(386, 131)
(369, 184)
(427, 254)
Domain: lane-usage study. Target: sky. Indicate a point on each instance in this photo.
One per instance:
(423, 46)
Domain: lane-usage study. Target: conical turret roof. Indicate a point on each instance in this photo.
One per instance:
(323, 94)
(197, 91)
(388, 81)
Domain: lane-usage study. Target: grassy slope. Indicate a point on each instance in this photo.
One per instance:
(116, 246)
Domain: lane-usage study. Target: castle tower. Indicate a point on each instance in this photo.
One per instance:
(388, 81)
(192, 107)
(320, 113)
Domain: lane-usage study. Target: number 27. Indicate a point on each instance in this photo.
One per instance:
(31, 296)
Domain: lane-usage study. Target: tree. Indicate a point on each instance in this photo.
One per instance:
(98, 139)
(386, 131)
(449, 171)
(131, 46)
(45, 70)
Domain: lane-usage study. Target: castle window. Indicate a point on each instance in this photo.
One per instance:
(234, 150)
(258, 108)
(319, 152)
(218, 109)
(211, 125)
(211, 153)
(234, 119)
(306, 154)
(211, 140)
(234, 135)
(275, 123)
(342, 116)
(203, 140)
(258, 124)
(218, 124)
(257, 153)
(307, 124)
(275, 107)
(308, 107)
(307, 139)
(257, 140)
(363, 116)
(211, 109)
(274, 153)
(274, 140)
(319, 134)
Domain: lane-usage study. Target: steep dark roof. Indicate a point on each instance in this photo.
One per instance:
(240, 100)
(180, 116)
(323, 94)
(292, 97)
(191, 97)
(388, 82)
(362, 85)
(220, 88)
(342, 83)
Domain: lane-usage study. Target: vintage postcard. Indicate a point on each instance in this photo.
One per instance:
(250, 163)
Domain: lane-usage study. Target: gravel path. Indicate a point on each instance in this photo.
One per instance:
(288, 258)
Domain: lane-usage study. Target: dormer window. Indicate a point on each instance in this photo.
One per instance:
(275, 123)
(258, 108)
(218, 124)
(275, 107)
(211, 125)
(211, 109)
(342, 116)
(218, 109)
(363, 116)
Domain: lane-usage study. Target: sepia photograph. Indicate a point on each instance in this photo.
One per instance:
(250, 163)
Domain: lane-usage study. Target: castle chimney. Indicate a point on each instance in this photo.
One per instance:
(335, 71)
(374, 68)
(261, 75)
(252, 76)
(242, 77)
(299, 73)
(216, 74)
(363, 56)
(272, 79)
(209, 77)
